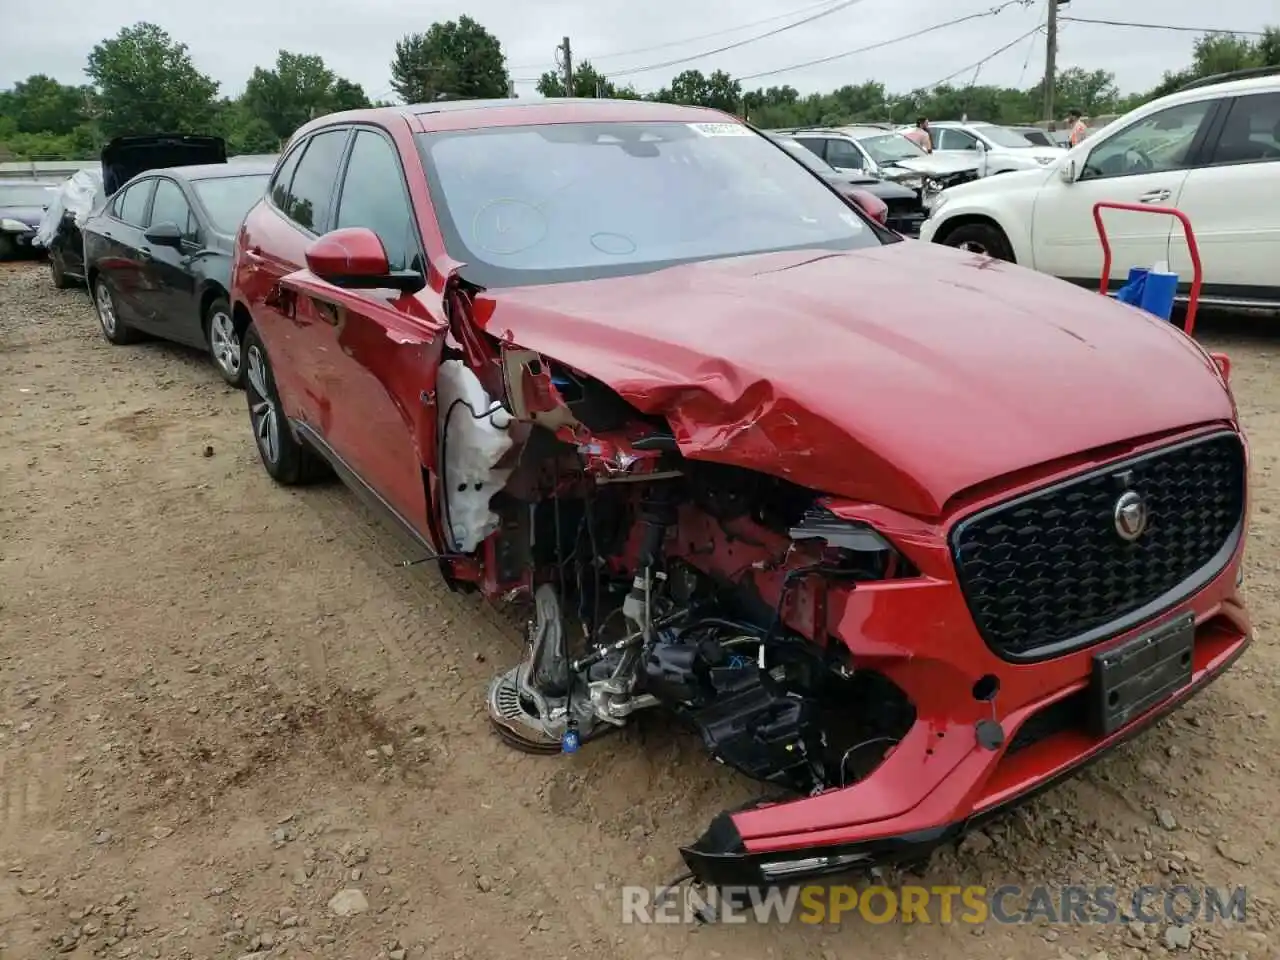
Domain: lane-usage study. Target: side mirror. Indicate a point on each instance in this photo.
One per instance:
(355, 259)
(1067, 171)
(870, 204)
(165, 235)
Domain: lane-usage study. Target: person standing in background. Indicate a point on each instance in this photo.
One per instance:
(1078, 130)
(919, 135)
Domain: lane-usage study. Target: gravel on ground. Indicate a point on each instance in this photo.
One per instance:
(232, 726)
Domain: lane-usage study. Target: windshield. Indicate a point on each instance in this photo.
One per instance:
(560, 202)
(26, 194)
(1003, 136)
(228, 199)
(891, 147)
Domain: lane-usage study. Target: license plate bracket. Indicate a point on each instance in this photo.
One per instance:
(1130, 679)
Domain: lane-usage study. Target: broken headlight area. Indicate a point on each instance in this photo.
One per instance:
(656, 581)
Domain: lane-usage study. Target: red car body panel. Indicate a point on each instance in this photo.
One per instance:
(798, 365)
(853, 374)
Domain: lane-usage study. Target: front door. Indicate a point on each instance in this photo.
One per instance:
(1230, 201)
(1145, 163)
(169, 298)
(375, 354)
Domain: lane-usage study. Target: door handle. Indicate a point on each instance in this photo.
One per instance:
(1155, 196)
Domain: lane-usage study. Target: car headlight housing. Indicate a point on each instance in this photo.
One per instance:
(10, 225)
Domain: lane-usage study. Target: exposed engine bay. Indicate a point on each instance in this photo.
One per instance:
(655, 580)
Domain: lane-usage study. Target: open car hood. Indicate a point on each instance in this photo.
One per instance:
(126, 157)
(901, 375)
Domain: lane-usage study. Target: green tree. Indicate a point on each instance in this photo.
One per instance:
(41, 104)
(587, 82)
(457, 58)
(297, 89)
(718, 91)
(147, 83)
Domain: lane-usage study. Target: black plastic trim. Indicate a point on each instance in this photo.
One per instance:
(1149, 611)
(719, 856)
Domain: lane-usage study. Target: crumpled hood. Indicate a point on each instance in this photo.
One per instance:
(900, 375)
(937, 164)
(31, 216)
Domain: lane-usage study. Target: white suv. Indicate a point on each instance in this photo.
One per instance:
(1209, 150)
(1002, 150)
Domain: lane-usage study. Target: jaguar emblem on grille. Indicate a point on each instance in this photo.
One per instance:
(1131, 516)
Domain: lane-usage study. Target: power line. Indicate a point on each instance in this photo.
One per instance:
(990, 56)
(733, 46)
(886, 43)
(1164, 26)
(1031, 48)
(702, 36)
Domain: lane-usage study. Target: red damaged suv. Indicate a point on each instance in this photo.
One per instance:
(904, 532)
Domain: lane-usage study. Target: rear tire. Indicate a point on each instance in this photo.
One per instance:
(224, 342)
(289, 461)
(8, 247)
(60, 279)
(984, 239)
(113, 328)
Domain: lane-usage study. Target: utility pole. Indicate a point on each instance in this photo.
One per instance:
(1050, 62)
(567, 50)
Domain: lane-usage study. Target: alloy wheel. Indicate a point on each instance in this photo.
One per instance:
(106, 309)
(225, 343)
(262, 409)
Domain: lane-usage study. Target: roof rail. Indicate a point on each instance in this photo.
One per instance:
(1230, 75)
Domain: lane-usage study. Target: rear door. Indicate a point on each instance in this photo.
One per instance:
(272, 246)
(1145, 163)
(375, 353)
(169, 296)
(115, 244)
(1233, 204)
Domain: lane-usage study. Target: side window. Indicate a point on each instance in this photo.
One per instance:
(950, 138)
(814, 145)
(1252, 130)
(170, 206)
(844, 155)
(373, 195)
(312, 188)
(1161, 141)
(279, 188)
(131, 206)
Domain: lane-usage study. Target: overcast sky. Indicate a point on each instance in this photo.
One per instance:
(227, 38)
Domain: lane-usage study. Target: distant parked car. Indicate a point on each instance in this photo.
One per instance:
(59, 232)
(1210, 150)
(903, 209)
(1038, 136)
(1000, 149)
(22, 205)
(887, 154)
(158, 256)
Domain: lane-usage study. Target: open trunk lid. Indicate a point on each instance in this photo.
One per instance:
(126, 157)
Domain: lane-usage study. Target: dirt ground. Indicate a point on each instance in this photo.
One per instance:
(222, 702)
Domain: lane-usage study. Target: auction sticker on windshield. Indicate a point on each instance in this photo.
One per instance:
(721, 129)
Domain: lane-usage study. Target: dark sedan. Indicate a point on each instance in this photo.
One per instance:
(905, 214)
(22, 206)
(158, 257)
